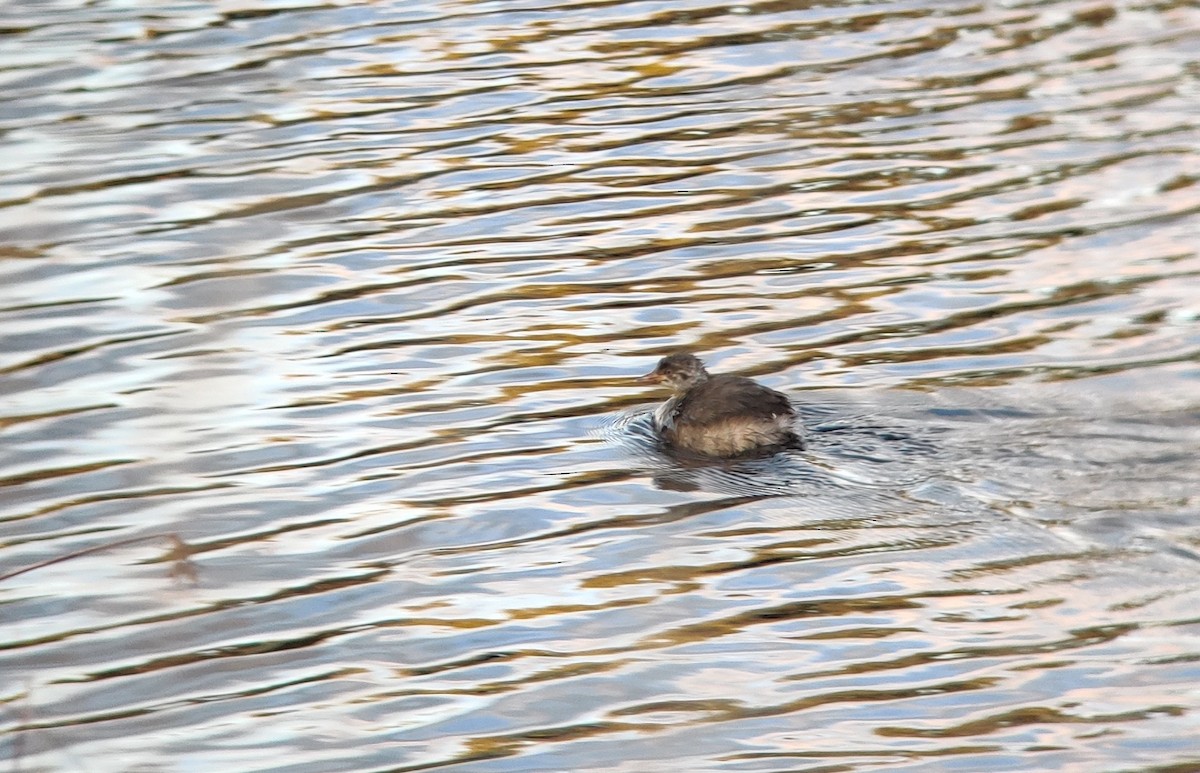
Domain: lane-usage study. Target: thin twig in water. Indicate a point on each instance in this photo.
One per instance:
(178, 555)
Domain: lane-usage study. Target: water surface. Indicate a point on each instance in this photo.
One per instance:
(348, 297)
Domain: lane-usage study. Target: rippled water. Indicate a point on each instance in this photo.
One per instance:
(347, 298)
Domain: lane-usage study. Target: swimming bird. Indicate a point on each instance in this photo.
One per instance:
(722, 415)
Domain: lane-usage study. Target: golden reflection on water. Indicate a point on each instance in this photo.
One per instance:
(350, 297)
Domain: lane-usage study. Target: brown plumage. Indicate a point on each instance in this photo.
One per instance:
(720, 415)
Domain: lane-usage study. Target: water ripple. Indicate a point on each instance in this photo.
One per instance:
(349, 298)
